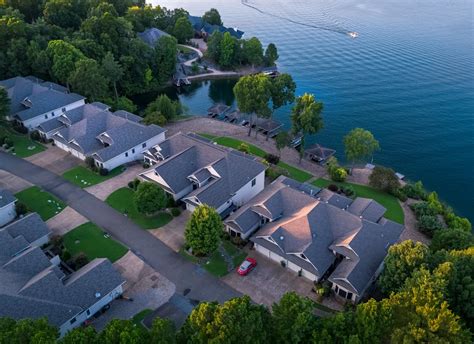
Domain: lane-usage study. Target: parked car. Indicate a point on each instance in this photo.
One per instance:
(247, 265)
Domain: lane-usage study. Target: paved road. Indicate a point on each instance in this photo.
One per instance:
(184, 274)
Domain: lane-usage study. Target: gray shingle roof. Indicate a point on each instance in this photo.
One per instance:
(151, 36)
(30, 227)
(367, 208)
(6, 197)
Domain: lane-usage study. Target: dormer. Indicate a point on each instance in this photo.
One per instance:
(27, 102)
(105, 139)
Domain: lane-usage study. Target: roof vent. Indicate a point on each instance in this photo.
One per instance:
(97, 295)
(282, 237)
(360, 216)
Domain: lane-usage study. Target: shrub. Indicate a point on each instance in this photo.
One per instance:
(400, 194)
(203, 230)
(348, 190)
(19, 128)
(65, 255)
(415, 191)
(243, 147)
(175, 212)
(90, 163)
(57, 241)
(131, 185)
(2, 140)
(136, 182)
(454, 221)
(35, 135)
(145, 165)
(422, 208)
(272, 159)
(339, 174)
(80, 260)
(21, 208)
(333, 187)
(103, 171)
(451, 239)
(8, 142)
(384, 179)
(274, 172)
(150, 198)
(429, 224)
(238, 241)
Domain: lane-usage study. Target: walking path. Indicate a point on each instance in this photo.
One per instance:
(184, 274)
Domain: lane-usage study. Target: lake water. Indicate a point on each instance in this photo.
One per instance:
(408, 77)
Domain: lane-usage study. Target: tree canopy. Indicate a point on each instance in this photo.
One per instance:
(212, 17)
(360, 144)
(203, 230)
(384, 178)
(271, 54)
(150, 198)
(306, 118)
(183, 30)
(4, 103)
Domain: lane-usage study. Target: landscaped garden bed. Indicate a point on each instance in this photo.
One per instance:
(40, 201)
(123, 201)
(90, 240)
(84, 177)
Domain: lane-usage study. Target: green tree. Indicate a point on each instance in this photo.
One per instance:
(162, 332)
(336, 172)
(227, 51)
(112, 70)
(293, 318)
(4, 103)
(360, 144)
(236, 321)
(282, 140)
(212, 17)
(402, 261)
(183, 30)
(144, 17)
(123, 103)
(64, 57)
(253, 51)
(31, 9)
(81, 335)
(123, 331)
(283, 91)
(149, 198)
(164, 106)
(165, 56)
(306, 118)
(62, 13)
(27, 331)
(203, 230)
(451, 239)
(88, 80)
(214, 43)
(253, 93)
(384, 178)
(373, 321)
(271, 54)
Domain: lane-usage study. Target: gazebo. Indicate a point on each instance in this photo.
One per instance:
(318, 153)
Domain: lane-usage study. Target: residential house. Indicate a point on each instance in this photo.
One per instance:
(151, 36)
(318, 234)
(32, 285)
(204, 29)
(111, 139)
(34, 101)
(30, 230)
(196, 171)
(7, 207)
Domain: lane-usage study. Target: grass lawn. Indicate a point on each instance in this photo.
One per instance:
(84, 177)
(294, 172)
(394, 210)
(122, 200)
(24, 146)
(217, 265)
(42, 202)
(89, 239)
(138, 318)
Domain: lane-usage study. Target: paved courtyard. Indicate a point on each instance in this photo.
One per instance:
(104, 189)
(65, 221)
(147, 288)
(55, 159)
(172, 234)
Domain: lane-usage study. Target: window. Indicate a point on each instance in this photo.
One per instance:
(46, 116)
(303, 256)
(349, 296)
(336, 289)
(254, 182)
(144, 145)
(342, 293)
(64, 109)
(88, 312)
(72, 321)
(126, 154)
(133, 150)
(52, 113)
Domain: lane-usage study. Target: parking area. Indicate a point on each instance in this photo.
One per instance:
(12, 183)
(55, 159)
(267, 283)
(172, 234)
(147, 288)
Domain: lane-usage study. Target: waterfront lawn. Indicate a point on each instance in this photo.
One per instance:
(42, 202)
(90, 240)
(24, 146)
(84, 177)
(293, 171)
(394, 210)
(123, 201)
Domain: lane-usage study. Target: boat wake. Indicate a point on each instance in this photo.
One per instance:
(340, 30)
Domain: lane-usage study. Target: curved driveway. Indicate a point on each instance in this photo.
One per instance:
(184, 274)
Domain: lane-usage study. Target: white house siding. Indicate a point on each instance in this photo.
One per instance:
(83, 316)
(32, 123)
(248, 191)
(7, 214)
(138, 155)
(354, 296)
(41, 241)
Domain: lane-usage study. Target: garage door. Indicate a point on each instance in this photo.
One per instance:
(190, 207)
(293, 266)
(275, 257)
(262, 250)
